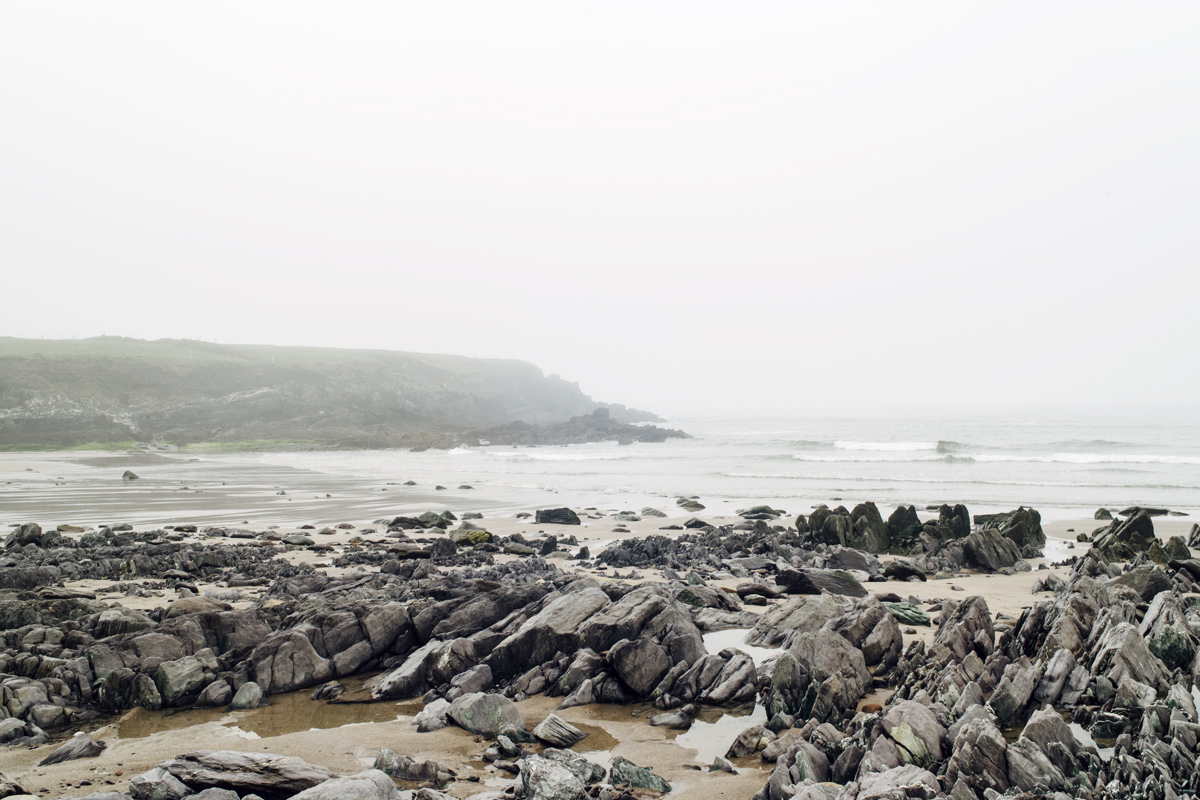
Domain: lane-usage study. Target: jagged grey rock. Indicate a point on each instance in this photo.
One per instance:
(979, 756)
(626, 773)
(250, 695)
(371, 784)
(485, 714)
(989, 551)
(407, 769)
(81, 745)
(267, 774)
(544, 779)
(557, 732)
(157, 784)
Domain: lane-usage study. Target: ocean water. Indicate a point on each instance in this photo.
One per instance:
(1065, 465)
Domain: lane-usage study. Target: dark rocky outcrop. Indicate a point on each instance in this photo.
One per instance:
(1124, 539)
(81, 745)
(1022, 527)
(556, 516)
(271, 776)
(990, 551)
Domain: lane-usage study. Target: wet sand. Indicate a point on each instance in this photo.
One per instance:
(139, 740)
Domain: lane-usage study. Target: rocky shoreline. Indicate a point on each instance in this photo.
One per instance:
(598, 426)
(869, 690)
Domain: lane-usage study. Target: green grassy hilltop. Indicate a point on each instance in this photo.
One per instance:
(111, 391)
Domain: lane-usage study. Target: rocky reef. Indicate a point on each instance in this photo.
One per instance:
(1089, 693)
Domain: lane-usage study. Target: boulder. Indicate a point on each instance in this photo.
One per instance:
(803, 614)
(1124, 539)
(430, 665)
(585, 770)
(145, 693)
(980, 757)
(816, 581)
(557, 732)
(556, 628)
(1046, 756)
(918, 736)
(1122, 652)
(902, 570)
(556, 516)
(158, 784)
(271, 776)
(869, 531)
(1013, 694)
(679, 720)
(370, 784)
(543, 779)
(26, 533)
(186, 677)
(433, 716)
(9, 787)
(831, 527)
(869, 627)
(1022, 527)
(216, 694)
(249, 695)
(967, 629)
(908, 781)
(903, 524)
(844, 558)
(626, 773)
(432, 519)
(467, 537)
(286, 661)
(736, 682)
(989, 551)
(760, 512)
(408, 769)
(1146, 581)
(476, 679)
(641, 664)
(485, 714)
(81, 745)
(819, 674)
(1176, 549)
(113, 621)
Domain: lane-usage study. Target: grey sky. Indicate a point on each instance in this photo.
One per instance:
(679, 205)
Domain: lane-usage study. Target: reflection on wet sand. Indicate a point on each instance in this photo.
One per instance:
(287, 713)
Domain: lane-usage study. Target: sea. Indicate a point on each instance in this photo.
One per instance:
(1065, 464)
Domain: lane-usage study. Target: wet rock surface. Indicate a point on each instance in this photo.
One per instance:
(981, 705)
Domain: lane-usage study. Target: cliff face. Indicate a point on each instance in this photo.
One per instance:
(109, 389)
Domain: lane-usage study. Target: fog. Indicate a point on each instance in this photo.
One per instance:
(681, 206)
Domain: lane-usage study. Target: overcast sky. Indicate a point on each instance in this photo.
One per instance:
(679, 205)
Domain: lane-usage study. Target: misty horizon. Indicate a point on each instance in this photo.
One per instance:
(1096, 410)
(677, 207)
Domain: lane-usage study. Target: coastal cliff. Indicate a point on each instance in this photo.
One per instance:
(112, 390)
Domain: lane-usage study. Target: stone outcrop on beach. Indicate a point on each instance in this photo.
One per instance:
(1123, 539)
(996, 542)
(983, 706)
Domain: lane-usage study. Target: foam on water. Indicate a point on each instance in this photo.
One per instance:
(1065, 466)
